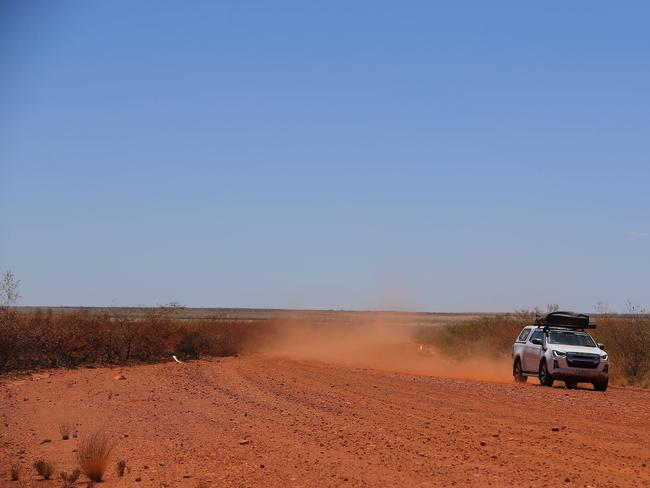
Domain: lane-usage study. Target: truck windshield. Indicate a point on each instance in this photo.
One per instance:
(570, 338)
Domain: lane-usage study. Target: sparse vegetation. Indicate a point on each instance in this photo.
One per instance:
(627, 339)
(15, 472)
(43, 340)
(69, 479)
(121, 467)
(45, 469)
(64, 429)
(484, 335)
(93, 455)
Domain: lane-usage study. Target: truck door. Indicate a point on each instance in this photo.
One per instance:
(533, 352)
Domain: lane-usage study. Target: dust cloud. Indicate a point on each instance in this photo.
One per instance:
(376, 345)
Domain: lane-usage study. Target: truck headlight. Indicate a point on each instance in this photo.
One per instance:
(604, 357)
(558, 354)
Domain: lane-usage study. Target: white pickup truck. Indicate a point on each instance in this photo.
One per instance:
(557, 347)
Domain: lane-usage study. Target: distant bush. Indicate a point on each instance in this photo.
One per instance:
(627, 341)
(10, 338)
(488, 335)
(43, 340)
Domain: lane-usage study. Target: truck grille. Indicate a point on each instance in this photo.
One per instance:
(582, 360)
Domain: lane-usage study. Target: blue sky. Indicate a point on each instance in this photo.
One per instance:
(457, 156)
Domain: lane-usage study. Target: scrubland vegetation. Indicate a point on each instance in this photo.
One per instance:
(92, 455)
(44, 340)
(47, 341)
(626, 338)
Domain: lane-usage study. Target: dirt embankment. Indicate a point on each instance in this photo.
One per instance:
(270, 421)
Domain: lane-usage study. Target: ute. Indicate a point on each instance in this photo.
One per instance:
(558, 347)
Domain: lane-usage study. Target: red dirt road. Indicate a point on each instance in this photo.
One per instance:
(262, 421)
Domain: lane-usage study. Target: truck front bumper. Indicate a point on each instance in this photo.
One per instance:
(560, 370)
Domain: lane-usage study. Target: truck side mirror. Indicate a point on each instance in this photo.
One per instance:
(537, 342)
(601, 346)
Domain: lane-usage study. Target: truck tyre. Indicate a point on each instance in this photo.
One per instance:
(518, 373)
(601, 385)
(570, 384)
(545, 378)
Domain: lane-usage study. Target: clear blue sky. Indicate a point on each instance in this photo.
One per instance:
(454, 156)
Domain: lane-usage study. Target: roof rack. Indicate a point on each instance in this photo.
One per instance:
(566, 320)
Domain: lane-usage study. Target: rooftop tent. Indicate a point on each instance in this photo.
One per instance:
(565, 319)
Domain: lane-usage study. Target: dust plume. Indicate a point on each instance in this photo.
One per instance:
(375, 344)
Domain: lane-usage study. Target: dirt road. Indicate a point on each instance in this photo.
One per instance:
(263, 421)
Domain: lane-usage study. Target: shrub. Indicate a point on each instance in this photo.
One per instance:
(191, 345)
(64, 429)
(45, 340)
(627, 339)
(93, 454)
(492, 335)
(10, 338)
(69, 479)
(200, 338)
(45, 469)
(121, 467)
(15, 472)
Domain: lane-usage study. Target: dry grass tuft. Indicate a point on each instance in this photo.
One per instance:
(64, 429)
(69, 479)
(15, 472)
(44, 468)
(121, 467)
(93, 455)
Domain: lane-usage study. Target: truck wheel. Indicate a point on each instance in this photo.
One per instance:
(545, 377)
(570, 384)
(518, 373)
(601, 385)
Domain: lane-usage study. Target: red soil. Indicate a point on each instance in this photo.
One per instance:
(268, 421)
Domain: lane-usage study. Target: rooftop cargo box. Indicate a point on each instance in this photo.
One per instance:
(569, 320)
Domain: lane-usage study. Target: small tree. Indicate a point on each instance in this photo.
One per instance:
(9, 330)
(9, 293)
